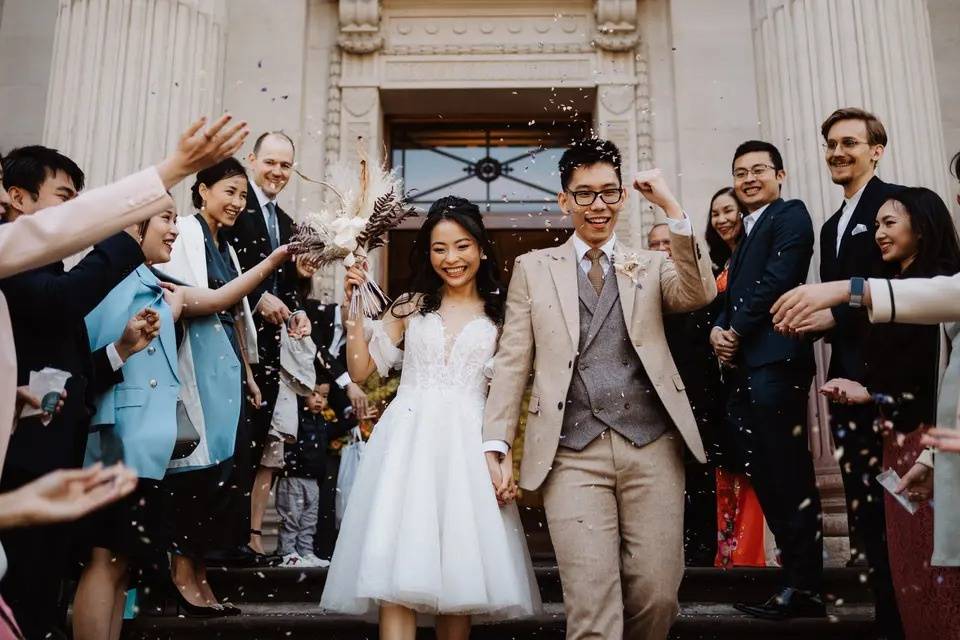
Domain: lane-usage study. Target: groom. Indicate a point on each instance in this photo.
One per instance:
(608, 416)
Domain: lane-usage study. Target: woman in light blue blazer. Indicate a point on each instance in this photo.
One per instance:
(137, 421)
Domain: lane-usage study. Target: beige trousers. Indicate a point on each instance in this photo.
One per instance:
(615, 513)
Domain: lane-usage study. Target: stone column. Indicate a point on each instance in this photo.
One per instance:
(622, 111)
(128, 76)
(814, 56)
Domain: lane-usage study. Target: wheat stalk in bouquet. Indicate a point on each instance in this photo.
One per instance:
(370, 201)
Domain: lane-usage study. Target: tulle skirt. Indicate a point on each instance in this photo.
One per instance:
(422, 527)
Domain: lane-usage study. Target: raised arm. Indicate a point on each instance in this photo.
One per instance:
(57, 232)
(686, 281)
(360, 361)
(199, 301)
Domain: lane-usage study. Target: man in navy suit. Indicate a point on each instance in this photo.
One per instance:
(854, 141)
(261, 228)
(771, 375)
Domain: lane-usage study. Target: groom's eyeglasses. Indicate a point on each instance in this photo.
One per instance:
(587, 198)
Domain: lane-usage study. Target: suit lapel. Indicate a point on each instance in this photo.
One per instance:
(744, 246)
(168, 341)
(627, 290)
(256, 216)
(563, 269)
(866, 212)
(830, 236)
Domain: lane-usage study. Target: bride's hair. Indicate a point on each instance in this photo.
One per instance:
(425, 285)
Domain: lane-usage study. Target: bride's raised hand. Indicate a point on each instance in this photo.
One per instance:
(356, 276)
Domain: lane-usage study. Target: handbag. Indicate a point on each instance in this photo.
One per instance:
(350, 456)
(188, 438)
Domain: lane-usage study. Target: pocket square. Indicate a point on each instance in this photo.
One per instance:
(860, 228)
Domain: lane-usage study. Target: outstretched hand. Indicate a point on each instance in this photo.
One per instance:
(198, 149)
(942, 439)
(67, 494)
(796, 310)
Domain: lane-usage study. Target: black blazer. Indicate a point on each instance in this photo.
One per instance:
(47, 310)
(252, 244)
(859, 257)
(773, 259)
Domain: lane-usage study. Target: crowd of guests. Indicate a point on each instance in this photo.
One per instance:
(160, 456)
(173, 325)
(749, 380)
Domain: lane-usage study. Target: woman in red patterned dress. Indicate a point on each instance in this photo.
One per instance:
(740, 525)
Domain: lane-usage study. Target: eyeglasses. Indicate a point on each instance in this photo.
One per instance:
(587, 198)
(758, 170)
(847, 144)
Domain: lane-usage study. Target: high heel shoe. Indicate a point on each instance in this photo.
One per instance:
(187, 609)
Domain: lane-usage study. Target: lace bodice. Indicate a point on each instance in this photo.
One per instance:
(432, 358)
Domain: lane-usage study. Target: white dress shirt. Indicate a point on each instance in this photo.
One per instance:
(262, 199)
(750, 221)
(681, 227)
(849, 206)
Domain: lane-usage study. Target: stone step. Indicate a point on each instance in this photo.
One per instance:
(697, 621)
(291, 585)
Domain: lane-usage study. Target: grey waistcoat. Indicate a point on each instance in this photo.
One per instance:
(610, 388)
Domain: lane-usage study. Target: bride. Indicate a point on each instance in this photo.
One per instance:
(424, 530)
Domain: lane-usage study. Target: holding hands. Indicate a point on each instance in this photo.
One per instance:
(501, 476)
(725, 343)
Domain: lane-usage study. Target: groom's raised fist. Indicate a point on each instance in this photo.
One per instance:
(652, 185)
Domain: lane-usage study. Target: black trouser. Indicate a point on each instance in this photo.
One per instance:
(861, 460)
(38, 563)
(768, 407)
(700, 514)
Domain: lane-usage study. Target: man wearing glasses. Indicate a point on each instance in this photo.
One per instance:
(854, 142)
(770, 376)
(608, 416)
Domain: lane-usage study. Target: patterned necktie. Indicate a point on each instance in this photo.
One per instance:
(595, 275)
(272, 225)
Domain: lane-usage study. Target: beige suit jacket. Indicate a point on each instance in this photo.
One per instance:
(542, 331)
(55, 233)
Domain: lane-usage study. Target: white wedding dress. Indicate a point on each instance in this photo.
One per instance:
(422, 526)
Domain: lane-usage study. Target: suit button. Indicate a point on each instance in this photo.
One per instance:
(153, 383)
(151, 350)
(560, 406)
(570, 365)
(597, 410)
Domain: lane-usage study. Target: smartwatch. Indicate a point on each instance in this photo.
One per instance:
(857, 286)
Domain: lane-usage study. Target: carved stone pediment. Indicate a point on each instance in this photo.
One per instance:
(360, 26)
(616, 25)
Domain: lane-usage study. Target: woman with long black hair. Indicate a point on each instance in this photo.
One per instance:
(916, 235)
(424, 530)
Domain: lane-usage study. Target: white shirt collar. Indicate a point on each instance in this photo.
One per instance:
(850, 204)
(750, 221)
(262, 198)
(582, 247)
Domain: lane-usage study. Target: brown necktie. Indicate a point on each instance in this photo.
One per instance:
(595, 275)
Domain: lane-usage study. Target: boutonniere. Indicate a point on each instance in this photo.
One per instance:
(632, 266)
